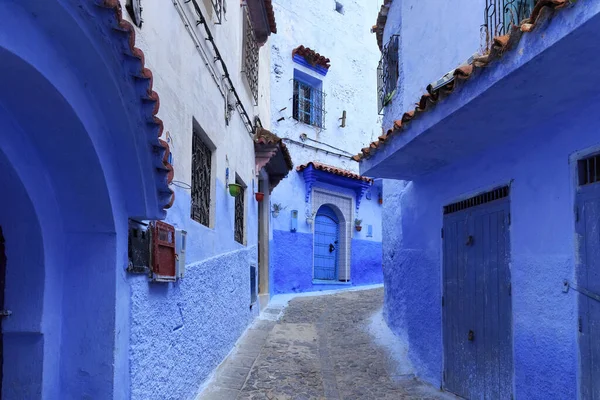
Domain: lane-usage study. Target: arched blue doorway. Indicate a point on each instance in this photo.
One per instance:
(326, 244)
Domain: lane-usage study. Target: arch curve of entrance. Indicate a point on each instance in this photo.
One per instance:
(79, 155)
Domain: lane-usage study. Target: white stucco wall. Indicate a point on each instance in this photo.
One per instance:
(189, 92)
(350, 85)
(185, 329)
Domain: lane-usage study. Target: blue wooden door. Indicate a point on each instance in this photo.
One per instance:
(588, 229)
(477, 311)
(326, 244)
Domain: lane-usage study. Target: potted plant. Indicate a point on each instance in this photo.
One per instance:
(260, 196)
(357, 224)
(310, 217)
(380, 199)
(276, 208)
(235, 189)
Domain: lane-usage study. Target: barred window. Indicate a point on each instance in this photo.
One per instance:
(501, 15)
(216, 8)
(388, 72)
(309, 100)
(239, 214)
(201, 179)
(250, 57)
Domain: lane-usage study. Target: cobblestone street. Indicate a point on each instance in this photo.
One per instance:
(319, 348)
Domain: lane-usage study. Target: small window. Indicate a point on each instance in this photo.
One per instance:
(339, 7)
(239, 213)
(250, 62)
(309, 100)
(201, 178)
(388, 72)
(588, 170)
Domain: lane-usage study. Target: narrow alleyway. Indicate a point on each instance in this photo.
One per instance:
(319, 348)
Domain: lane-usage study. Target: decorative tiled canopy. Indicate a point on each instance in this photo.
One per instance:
(263, 19)
(311, 59)
(272, 155)
(316, 172)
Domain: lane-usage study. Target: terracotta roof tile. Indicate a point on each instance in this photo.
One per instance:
(271, 16)
(312, 57)
(379, 27)
(501, 44)
(333, 170)
(165, 172)
(265, 137)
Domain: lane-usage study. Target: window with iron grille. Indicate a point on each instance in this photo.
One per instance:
(250, 57)
(239, 215)
(501, 15)
(309, 100)
(215, 6)
(201, 179)
(388, 72)
(588, 170)
(483, 198)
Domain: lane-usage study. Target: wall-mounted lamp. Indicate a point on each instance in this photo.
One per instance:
(343, 125)
(294, 221)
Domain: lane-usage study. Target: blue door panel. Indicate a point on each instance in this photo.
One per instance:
(477, 313)
(326, 244)
(588, 229)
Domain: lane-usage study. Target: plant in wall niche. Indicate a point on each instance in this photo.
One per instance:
(380, 198)
(276, 208)
(235, 189)
(357, 224)
(310, 217)
(388, 98)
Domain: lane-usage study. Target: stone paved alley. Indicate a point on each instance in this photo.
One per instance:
(316, 348)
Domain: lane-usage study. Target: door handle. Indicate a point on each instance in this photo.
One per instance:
(471, 336)
(331, 247)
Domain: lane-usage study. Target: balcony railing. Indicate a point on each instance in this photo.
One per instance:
(501, 15)
(388, 72)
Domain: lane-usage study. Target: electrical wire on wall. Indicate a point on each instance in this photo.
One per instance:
(217, 58)
(335, 153)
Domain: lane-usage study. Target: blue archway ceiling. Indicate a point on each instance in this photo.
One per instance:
(149, 103)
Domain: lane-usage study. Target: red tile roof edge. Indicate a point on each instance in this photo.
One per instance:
(151, 96)
(501, 44)
(271, 16)
(333, 170)
(268, 138)
(312, 57)
(379, 26)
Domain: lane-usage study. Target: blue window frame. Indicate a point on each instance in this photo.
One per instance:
(309, 100)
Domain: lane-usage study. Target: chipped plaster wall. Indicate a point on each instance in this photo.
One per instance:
(178, 357)
(542, 237)
(435, 37)
(350, 85)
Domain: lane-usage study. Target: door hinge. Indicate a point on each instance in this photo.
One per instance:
(510, 289)
(442, 301)
(442, 233)
(5, 313)
(444, 375)
(576, 214)
(579, 325)
(509, 219)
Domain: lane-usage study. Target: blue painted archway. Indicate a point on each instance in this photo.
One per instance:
(327, 235)
(79, 155)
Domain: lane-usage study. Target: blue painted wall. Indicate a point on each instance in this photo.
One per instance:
(434, 38)
(543, 252)
(292, 263)
(180, 332)
(185, 329)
